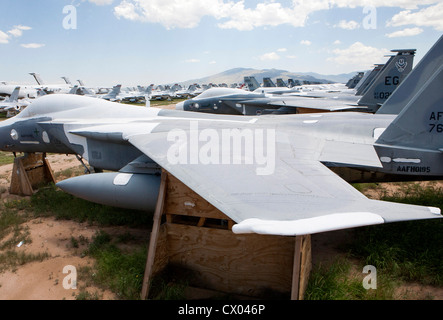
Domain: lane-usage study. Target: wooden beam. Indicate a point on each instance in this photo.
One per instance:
(302, 266)
(296, 269)
(154, 237)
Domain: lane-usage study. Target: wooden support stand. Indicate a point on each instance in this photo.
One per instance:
(29, 172)
(189, 233)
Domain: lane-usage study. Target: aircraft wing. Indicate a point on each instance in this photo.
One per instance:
(292, 194)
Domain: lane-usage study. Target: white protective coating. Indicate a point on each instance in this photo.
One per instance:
(122, 179)
(404, 160)
(325, 223)
(378, 132)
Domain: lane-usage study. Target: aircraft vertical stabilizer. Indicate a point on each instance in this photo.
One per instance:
(420, 124)
(252, 83)
(389, 78)
(14, 96)
(366, 83)
(37, 78)
(268, 83)
(415, 80)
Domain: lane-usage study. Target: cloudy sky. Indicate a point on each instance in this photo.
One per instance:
(105, 42)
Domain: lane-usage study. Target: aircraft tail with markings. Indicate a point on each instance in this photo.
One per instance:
(281, 83)
(268, 83)
(415, 81)
(388, 79)
(420, 124)
(252, 83)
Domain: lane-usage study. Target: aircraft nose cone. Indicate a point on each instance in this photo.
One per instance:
(180, 106)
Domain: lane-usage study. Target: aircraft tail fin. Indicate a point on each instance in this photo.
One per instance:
(268, 83)
(293, 83)
(252, 83)
(415, 80)
(73, 90)
(148, 89)
(420, 124)
(14, 95)
(281, 83)
(362, 80)
(115, 91)
(352, 83)
(67, 80)
(37, 78)
(388, 78)
(363, 87)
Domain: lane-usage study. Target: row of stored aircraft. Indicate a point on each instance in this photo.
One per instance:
(364, 92)
(27, 93)
(280, 174)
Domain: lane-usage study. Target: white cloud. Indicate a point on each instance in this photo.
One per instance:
(268, 14)
(4, 38)
(269, 56)
(358, 55)
(212, 62)
(192, 60)
(101, 2)
(408, 32)
(171, 13)
(291, 57)
(348, 25)
(18, 30)
(306, 42)
(282, 50)
(236, 14)
(127, 10)
(427, 17)
(337, 42)
(404, 4)
(32, 45)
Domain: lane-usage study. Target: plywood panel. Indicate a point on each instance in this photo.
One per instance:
(181, 200)
(241, 264)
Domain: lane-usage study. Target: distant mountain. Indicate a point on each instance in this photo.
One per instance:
(237, 75)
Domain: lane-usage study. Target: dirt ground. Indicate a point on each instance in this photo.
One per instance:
(44, 280)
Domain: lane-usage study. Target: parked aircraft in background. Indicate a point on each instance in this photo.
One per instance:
(12, 105)
(136, 96)
(186, 93)
(265, 100)
(26, 91)
(113, 95)
(51, 88)
(161, 93)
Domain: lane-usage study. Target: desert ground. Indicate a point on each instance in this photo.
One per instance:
(44, 280)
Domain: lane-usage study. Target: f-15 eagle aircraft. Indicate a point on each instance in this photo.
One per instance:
(270, 174)
(12, 105)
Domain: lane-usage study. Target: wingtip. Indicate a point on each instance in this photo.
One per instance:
(435, 210)
(332, 222)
